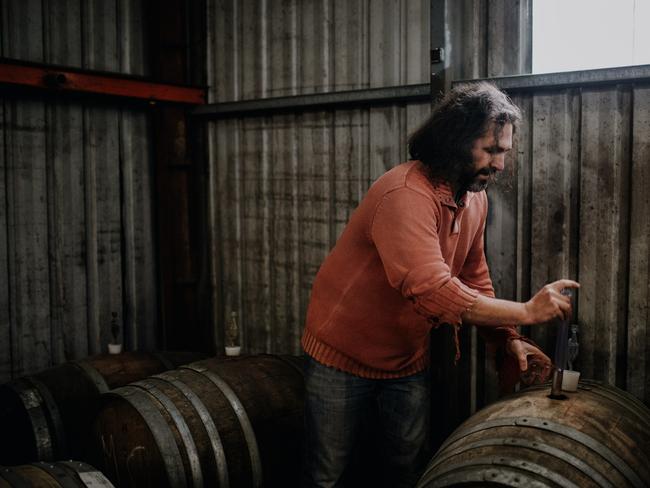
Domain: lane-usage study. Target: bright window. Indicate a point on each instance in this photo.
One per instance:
(571, 35)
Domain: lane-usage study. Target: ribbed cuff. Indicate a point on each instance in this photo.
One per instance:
(449, 302)
(329, 356)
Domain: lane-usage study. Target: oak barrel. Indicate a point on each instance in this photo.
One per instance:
(66, 474)
(44, 417)
(597, 437)
(220, 422)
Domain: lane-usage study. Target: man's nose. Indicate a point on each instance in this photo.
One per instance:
(498, 162)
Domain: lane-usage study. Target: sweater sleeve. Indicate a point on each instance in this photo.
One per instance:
(404, 231)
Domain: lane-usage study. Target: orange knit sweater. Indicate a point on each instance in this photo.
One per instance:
(408, 260)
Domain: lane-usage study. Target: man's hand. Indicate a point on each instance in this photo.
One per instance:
(549, 303)
(535, 366)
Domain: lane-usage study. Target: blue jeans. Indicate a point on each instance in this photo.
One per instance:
(338, 405)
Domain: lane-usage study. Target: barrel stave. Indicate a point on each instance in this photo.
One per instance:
(547, 444)
(499, 448)
(226, 422)
(128, 367)
(272, 393)
(196, 442)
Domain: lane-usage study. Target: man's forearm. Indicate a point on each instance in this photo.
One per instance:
(495, 312)
(548, 303)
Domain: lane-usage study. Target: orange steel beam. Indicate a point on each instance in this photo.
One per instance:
(58, 78)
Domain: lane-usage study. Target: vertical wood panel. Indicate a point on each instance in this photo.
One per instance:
(554, 196)
(310, 47)
(130, 25)
(509, 38)
(139, 255)
(467, 20)
(638, 334)
(22, 29)
(501, 233)
(282, 47)
(224, 38)
(252, 54)
(103, 225)
(28, 236)
(140, 309)
(5, 308)
(314, 192)
(27, 228)
(416, 40)
(67, 231)
(385, 46)
(63, 35)
(604, 227)
(103, 232)
(350, 160)
(255, 232)
(284, 236)
(521, 157)
(100, 35)
(66, 191)
(349, 57)
(227, 233)
(351, 127)
(385, 56)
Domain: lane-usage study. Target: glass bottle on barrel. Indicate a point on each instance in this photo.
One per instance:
(115, 347)
(232, 336)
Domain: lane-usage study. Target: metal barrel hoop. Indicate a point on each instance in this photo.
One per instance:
(242, 416)
(142, 401)
(94, 375)
(204, 414)
(181, 426)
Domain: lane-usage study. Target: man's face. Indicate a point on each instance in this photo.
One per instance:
(488, 155)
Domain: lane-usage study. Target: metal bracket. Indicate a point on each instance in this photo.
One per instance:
(437, 55)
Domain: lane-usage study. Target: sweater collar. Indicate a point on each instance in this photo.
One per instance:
(442, 189)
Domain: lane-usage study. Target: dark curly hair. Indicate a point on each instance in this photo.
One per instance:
(444, 141)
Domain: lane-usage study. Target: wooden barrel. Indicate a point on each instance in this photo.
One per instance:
(597, 437)
(232, 422)
(44, 416)
(66, 474)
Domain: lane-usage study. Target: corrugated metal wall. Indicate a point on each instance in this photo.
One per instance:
(284, 186)
(581, 210)
(76, 217)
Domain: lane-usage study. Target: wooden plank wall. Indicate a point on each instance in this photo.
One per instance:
(283, 186)
(584, 215)
(75, 213)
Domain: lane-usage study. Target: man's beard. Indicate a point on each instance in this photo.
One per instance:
(474, 183)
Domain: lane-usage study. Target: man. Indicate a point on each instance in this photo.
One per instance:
(411, 258)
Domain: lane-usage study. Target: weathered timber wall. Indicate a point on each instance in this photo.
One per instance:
(76, 227)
